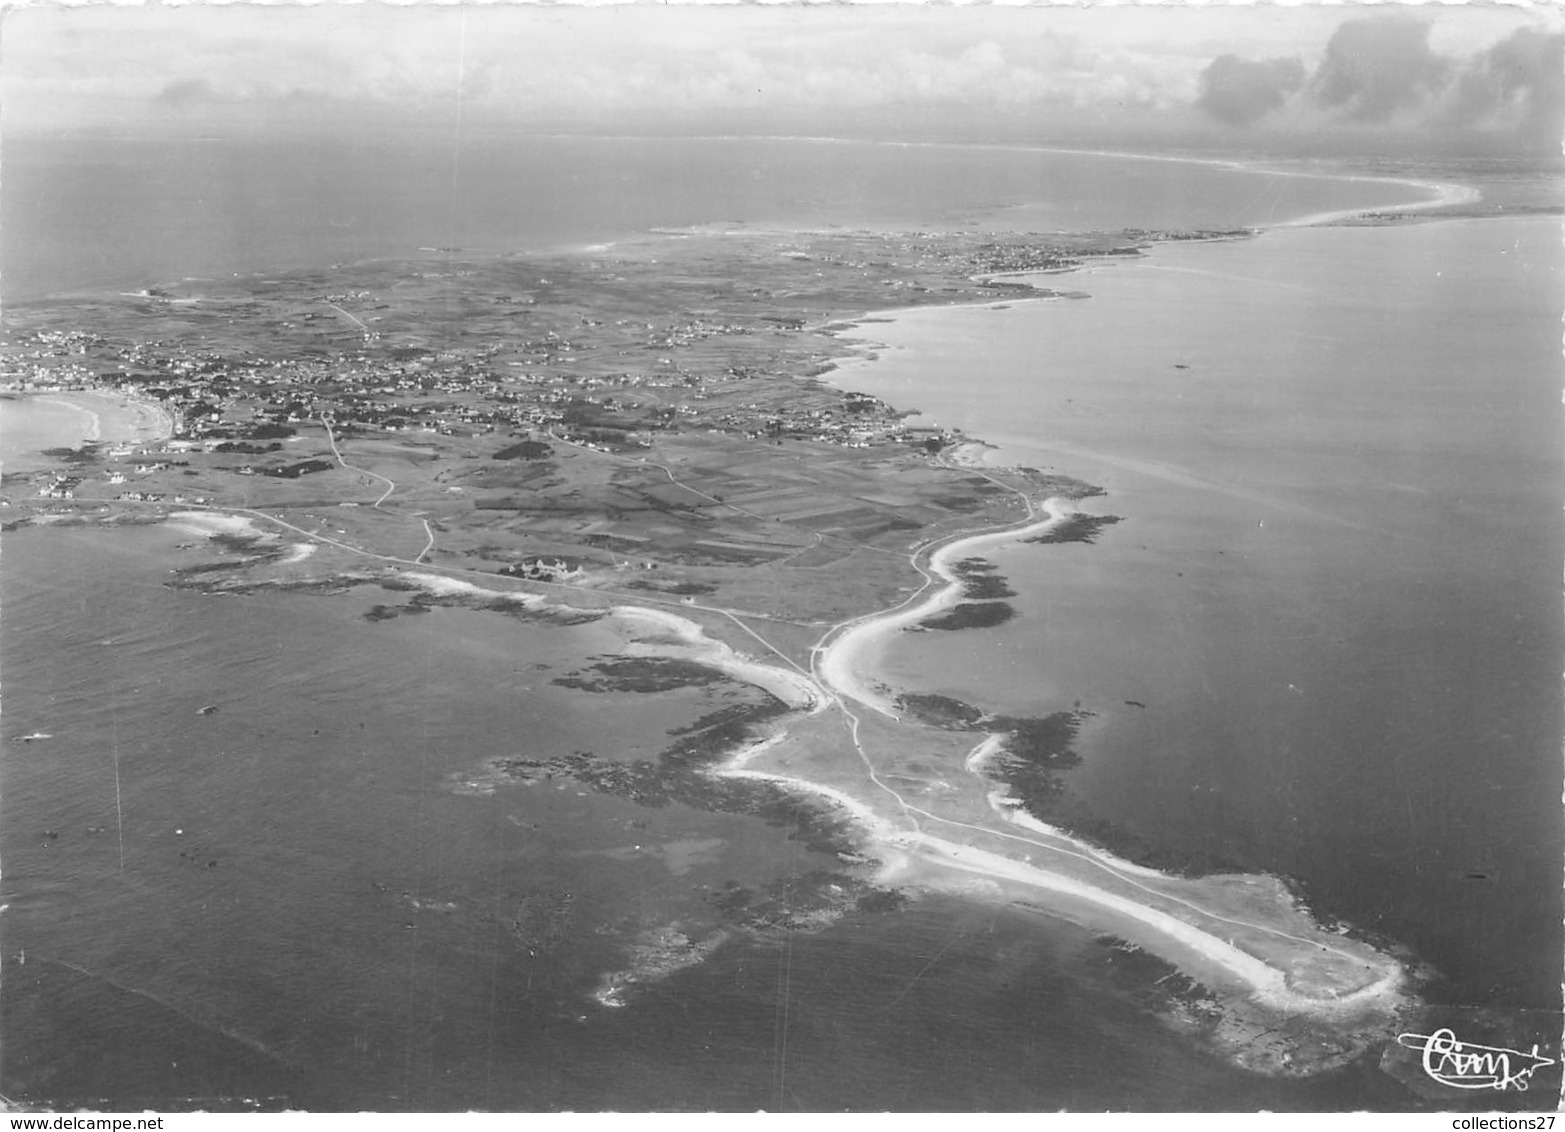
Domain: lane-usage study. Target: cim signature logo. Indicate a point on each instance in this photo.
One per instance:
(1463, 1065)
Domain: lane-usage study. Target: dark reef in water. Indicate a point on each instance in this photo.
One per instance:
(1154, 982)
(989, 588)
(1034, 751)
(945, 712)
(1034, 757)
(390, 612)
(542, 919)
(801, 903)
(643, 674)
(1067, 487)
(86, 454)
(972, 615)
(681, 773)
(1079, 527)
(980, 582)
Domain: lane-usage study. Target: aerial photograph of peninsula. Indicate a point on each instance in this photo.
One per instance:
(875, 558)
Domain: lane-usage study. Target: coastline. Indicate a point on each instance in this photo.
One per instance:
(1447, 194)
(839, 663)
(840, 667)
(468, 691)
(1260, 167)
(837, 676)
(864, 350)
(1323, 980)
(838, 673)
(114, 419)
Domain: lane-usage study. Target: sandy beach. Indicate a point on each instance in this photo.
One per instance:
(842, 663)
(679, 636)
(210, 523)
(115, 419)
(1446, 195)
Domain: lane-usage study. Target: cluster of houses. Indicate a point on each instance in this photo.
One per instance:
(155, 497)
(859, 421)
(544, 570)
(215, 397)
(59, 487)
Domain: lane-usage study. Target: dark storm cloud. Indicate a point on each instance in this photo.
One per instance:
(1238, 91)
(1374, 68)
(1380, 72)
(1521, 76)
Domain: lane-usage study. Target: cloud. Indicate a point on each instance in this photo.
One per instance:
(1032, 72)
(1380, 73)
(1521, 78)
(1373, 68)
(1238, 91)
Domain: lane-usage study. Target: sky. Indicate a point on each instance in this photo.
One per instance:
(1488, 72)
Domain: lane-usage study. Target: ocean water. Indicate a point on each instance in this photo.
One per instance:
(1333, 588)
(284, 899)
(282, 903)
(28, 425)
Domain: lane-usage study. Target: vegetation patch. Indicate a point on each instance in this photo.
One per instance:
(246, 448)
(83, 455)
(302, 468)
(681, 588)
(643, 674)
(943, 712)
(526, 450)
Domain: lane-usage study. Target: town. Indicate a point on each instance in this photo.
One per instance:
(557, 418)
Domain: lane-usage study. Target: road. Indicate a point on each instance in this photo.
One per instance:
(331, 438)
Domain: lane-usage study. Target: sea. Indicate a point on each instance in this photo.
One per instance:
(130, 213)
(1322, 642)
(29, 426)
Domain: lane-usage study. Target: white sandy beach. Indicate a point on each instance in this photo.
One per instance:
(795, 689)
(841, 664)
(116, 419)
(209, 523)
(898, 846)
(1446, 195)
